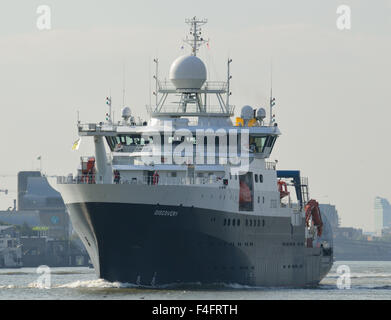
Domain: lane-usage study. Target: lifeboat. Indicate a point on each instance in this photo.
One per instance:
(88, 171)
(312, 210)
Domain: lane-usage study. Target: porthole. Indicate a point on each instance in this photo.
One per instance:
(260, 178)
(256, 178)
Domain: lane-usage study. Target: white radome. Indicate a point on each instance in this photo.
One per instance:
(247, 113)
(261, 114)
(126, 113)
(188, 72)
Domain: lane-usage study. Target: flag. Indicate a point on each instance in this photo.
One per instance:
(207, 44)
(76, 144)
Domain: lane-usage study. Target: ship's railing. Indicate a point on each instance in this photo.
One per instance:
(168, 181)
(190, 109)
(150, 180)
(167, 85)
(85, 179)
(270, 165)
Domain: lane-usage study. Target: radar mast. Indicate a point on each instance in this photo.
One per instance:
(195, 31)
(188, 81)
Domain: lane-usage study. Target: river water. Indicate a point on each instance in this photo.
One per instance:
(368, 280)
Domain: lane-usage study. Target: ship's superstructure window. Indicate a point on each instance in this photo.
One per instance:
(256, 178)
(127, 140)
(258, 144)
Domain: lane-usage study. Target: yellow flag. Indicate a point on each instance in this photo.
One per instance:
(76, 144)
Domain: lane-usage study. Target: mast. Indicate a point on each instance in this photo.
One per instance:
(272, 99)
(195, 32)
(229, 77)
(192, 101)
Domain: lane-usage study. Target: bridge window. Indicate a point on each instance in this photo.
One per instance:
(126, 140)
(258, 143)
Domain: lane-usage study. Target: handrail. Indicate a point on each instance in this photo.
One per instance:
(90, 179)
(270, 165)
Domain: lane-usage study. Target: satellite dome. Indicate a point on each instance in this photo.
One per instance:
(261, 114)
(188, 72)
(247, 113)
(126, 114)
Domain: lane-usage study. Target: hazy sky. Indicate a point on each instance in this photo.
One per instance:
(332, 87)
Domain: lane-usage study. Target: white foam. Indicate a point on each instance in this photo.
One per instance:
(98, 283)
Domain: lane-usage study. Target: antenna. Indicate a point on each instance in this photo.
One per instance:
(156, 77)
(123, 84)
(149, 81)
(195, 31)
(272, 99)
(108, 114)
(229, 77)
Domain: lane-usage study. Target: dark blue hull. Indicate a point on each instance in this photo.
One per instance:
(152, 245)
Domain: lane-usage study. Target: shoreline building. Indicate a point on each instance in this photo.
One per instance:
(382, 215)
(45, 228)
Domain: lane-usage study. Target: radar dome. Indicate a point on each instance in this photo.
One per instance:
(188, 72)
(261, 114)
(247, 113)
(126, 114)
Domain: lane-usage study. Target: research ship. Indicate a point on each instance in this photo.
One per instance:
(189, 196)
